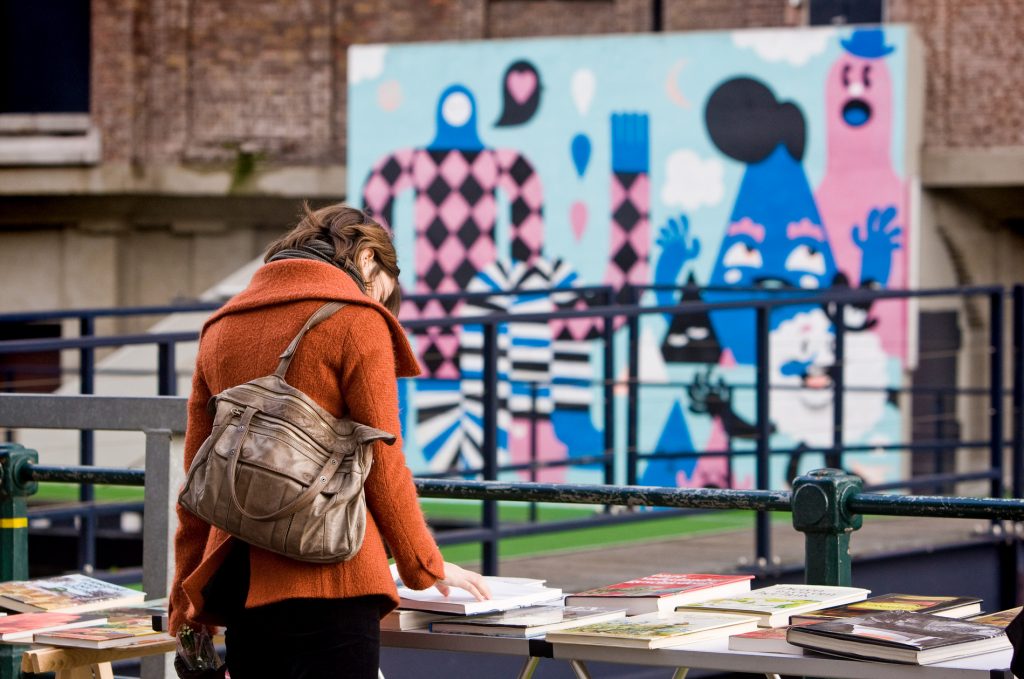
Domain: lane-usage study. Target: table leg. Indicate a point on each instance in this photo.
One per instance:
(579, 669)
(529, 667)
(680, 673)
(101, 670)
(768, 675)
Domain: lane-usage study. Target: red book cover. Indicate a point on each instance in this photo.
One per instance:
(664, 584)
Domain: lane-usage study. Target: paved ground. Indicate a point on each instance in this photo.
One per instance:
(729, 551)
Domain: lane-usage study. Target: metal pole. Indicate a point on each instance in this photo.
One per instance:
(608, 332)
(1017, 468)
(835, 460)
(489, 555)
(633, 398)
(995, 304)
(819, 511)
(763, 529)
(167, 381)
(14, 534)
(86, 451)
(533, 445)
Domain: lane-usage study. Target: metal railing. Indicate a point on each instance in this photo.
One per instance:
(631, 314)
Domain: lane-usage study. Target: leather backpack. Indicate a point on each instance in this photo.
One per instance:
(280, 472)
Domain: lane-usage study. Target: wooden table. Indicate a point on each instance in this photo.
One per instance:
(87, 663)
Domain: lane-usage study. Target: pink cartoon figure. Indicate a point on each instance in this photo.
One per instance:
(455, 179)
(862, 201)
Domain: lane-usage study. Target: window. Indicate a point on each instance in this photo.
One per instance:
(828, 12)
(44, 56)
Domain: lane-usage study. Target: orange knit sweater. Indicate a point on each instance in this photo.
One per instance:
(348, 364)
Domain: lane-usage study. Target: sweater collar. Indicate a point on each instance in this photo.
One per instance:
(291, 280)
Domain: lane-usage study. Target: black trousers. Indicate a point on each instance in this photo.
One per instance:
(294, 638)
(306, 639)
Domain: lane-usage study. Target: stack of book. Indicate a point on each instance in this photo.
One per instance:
(774, 605)
(506, 594)
(900, 636)
(662, 591)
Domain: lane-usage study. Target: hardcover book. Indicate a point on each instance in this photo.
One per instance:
(23, 625)
(531, 621)
(764, 640)
(900, 636)
(661, 591)
(125, 632)
(774, 605)
(656, 630)
(65, 593)
(998, 618)
(946, 606)
(402, 619)
(504, 596)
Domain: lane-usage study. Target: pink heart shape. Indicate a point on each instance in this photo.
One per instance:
(521, 85)
(578, 219)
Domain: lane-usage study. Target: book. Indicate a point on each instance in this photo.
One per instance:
(661, 591)
(402, 619)
(774, 605)
(504, 596)
(656, 630)
(74, 593)
(124, 632)
(946, 606)
(23, 625)
(764, 640)
(998, 618)
(530, 621)
(900, 636)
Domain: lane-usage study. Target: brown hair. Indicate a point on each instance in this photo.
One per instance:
(349, 231)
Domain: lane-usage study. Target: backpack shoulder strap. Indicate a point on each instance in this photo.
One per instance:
(321, 315)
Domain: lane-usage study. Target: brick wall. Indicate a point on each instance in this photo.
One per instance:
(189, 81)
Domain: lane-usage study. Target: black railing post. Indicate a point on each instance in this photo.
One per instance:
(533, 445)
(995, 304)
(608, 333)
(14, 533)
(764, 429)
(166, 369)
(820, 513)
(1017, 468)
(633, 398)
(835, 460)
(489, 555)
(86, 450)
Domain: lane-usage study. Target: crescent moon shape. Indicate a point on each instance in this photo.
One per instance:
(672, 85)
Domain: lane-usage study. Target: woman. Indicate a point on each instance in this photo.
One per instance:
(287, 618)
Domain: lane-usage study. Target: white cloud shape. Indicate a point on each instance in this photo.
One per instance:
(691, 181)
(365, 62)
(795, 47)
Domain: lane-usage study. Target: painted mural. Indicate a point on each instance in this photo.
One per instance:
(719, 166)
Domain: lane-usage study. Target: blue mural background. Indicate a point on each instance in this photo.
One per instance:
(566, 136)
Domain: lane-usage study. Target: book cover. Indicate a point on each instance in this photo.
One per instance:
(900, 636)
(777, 603)
(998, 618)
(656, 630)
(24, 625)
(66, 593)
(662, 591)
(504, 595)
(764, 640)
(529, 621)
(947, 606)
(125, 632)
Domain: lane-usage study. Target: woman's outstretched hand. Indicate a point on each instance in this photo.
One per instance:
(456, 576)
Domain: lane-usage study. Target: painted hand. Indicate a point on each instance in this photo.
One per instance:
(878, 238)
(677, 248)
(709, 398)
